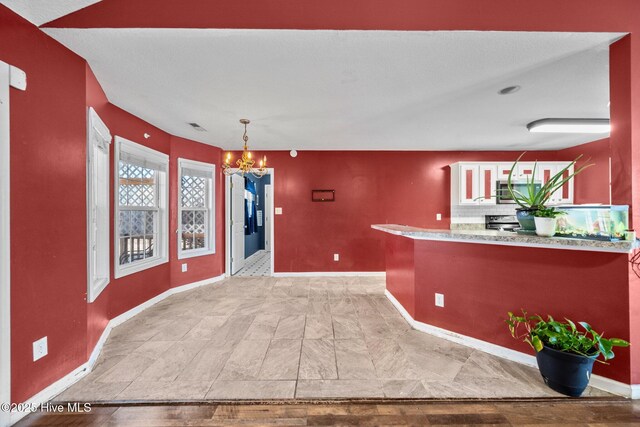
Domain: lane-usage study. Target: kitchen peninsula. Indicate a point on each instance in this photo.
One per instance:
(461, 284)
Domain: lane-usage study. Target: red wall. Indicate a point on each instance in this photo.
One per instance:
(372, 187)
(592, 185)
(48, 237)
(48, 209)
(498, 15)
(127, 292)
(48, 165)
(401, 272)
(634, 322)
(202, 267)
(481, 283)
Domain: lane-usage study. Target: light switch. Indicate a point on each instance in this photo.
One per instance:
(438, 217)
(336, 257)
(278, 211)
(184, 267)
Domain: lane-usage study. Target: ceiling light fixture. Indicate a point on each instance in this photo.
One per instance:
(570, 126)
(509, 90)
(245, 163)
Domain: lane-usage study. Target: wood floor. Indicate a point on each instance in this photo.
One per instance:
(547, 412)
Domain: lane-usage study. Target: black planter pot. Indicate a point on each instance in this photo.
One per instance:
(565, 373)
(526, 219)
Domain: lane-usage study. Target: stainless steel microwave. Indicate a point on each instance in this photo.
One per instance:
(503, 196)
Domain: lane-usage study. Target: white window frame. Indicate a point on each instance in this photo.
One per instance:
(162, 245)
(210, 233)
(98, 143)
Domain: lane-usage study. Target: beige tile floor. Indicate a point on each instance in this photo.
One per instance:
(276, 338)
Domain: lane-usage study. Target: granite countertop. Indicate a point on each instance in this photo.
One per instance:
(506, 238)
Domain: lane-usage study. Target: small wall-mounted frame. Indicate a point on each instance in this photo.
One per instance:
(323, 195)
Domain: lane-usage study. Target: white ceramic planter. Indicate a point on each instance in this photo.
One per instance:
(545, 227)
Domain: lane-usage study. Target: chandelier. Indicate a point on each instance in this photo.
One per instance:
(244, 164)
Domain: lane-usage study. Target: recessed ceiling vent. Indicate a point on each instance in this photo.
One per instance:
(197, 127)
(509, 90)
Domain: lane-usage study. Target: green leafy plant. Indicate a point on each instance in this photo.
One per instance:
(548, 213)
(562, 336)
(534, 198)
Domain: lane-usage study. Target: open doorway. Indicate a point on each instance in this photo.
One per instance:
(249, 225)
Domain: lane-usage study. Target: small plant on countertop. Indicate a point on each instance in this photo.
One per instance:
(548, 213)
(563, 336)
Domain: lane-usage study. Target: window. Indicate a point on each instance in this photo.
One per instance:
(141, 208)
(98, 141)
(196, 231)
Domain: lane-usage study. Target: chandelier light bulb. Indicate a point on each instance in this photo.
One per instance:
(246, 162)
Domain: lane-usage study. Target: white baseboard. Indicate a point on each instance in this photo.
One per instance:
(602, 383)
(77, 374)
(118, 320)
(615, 387)
(331, 274)
(48, 393)
(635, 391)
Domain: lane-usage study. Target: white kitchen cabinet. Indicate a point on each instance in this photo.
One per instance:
(487, 179)
(564, 194)
(474, 183)
(503, 170)
(469, 187)
(526, 170)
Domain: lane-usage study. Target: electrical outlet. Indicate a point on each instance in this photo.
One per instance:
(336, 257)
(438, 217)
(439, 300)
(40, 349)
(278, 211)
(184, 267)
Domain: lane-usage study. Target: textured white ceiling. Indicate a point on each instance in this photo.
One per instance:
(353, 90)
(40, 12)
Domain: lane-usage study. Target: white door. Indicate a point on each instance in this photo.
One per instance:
(268, 210)
(237, 223)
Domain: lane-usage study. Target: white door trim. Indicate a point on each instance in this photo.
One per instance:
(97, 134)
(227, 216)
(9, 76)
(268, 203)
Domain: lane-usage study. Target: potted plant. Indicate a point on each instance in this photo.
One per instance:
(537, 194)
(565, 354)
(545, 220)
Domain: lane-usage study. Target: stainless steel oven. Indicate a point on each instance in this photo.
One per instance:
(501, 222)
(503, 194)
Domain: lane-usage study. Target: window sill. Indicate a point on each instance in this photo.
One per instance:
(193, 254)
(96, 290)
(138, 266)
